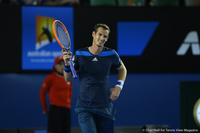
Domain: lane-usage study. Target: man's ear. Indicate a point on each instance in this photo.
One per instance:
(107, 39)
(93, 33)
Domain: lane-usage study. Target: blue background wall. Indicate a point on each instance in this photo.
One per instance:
(145, 99)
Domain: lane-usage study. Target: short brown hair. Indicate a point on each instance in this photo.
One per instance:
(104, 26)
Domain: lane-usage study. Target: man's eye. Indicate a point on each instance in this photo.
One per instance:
(105, 36)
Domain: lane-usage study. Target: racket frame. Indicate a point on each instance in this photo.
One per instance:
(64, 48)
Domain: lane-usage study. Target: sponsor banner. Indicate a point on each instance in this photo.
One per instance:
(39, 46)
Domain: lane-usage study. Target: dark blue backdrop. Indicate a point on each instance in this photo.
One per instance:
(145, 99)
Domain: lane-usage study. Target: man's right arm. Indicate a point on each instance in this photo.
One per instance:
(68, 76)
(67, 72)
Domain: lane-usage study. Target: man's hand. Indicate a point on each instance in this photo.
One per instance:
(115, 93)
(66, 56)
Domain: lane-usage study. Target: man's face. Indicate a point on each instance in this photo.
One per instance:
(100, 37)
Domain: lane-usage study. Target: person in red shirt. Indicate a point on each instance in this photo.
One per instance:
(59, 92)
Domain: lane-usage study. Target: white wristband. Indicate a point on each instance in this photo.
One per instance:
(120, 84)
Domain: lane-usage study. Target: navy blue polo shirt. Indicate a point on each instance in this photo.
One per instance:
(94, 73)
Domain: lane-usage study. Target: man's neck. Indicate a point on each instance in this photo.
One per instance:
(95, 50)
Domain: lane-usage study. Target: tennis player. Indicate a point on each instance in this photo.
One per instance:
(94, 109)
(60, 92)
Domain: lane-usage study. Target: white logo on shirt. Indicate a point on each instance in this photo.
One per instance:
(95, 59)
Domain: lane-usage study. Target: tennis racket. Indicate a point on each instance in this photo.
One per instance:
(62, 36)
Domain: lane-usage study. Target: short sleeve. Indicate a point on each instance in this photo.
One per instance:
(116, 61)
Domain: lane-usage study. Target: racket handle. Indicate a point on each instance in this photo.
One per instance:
(72, 69)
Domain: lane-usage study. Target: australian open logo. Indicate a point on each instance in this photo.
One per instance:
(44, 38)
(44, 31)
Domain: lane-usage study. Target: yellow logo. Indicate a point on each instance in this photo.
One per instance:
(44, 31)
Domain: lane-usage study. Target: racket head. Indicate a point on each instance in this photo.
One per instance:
(61, 34)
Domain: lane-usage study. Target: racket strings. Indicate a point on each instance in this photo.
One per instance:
(62, 36)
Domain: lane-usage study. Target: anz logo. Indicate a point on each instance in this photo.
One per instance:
(191, 41)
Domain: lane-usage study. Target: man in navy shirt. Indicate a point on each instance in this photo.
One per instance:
(94, 108)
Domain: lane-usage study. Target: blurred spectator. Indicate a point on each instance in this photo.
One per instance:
(165, 3)
(58, 2)
(131, 2)
(103, 3)
(197, 2)
(135, 2)
(15, 2)
(19, 2)
(59, 92)
(29, 2)
(192, 2)
(12, 2)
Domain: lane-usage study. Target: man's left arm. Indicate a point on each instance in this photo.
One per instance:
(115, 92)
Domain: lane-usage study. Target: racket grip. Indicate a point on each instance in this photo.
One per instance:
(72, 69)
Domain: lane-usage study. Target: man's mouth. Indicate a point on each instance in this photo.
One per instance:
(101, 41)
